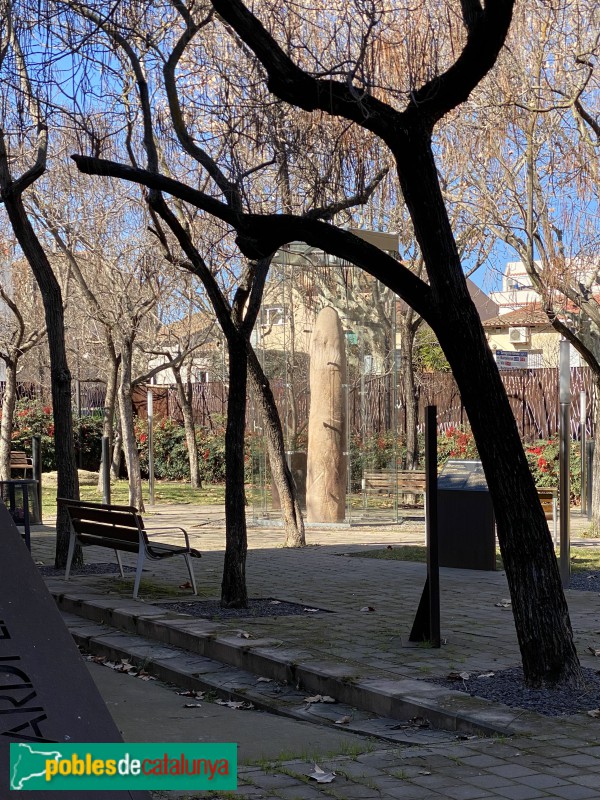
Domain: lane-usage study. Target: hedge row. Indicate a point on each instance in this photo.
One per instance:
(171, 456)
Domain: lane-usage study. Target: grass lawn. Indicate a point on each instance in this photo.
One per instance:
(583, 559)
(165, 492)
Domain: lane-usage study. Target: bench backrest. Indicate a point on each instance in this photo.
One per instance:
(19, 459)
(120, 527)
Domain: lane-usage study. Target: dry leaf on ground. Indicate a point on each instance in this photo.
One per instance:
(320, 698)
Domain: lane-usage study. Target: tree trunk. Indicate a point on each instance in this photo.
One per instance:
(108, 414)
(184, 395)
(293, 522)
(9, 401)
(115, 464)
(596, 462)
(233, 588)
(132, 457)
(407, 371)
(540, 610)
(67, 478)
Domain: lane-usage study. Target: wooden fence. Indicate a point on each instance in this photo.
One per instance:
(372, 406)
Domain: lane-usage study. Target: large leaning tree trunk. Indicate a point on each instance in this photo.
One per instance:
(67, 478)
(539, 606)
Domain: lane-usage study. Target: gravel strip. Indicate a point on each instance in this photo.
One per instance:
(506, 686)
(261, 607)
(87, 569)
(585, 581)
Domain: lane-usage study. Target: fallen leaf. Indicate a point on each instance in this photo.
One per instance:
(320, 698)
(275, 602)
(367, 608)
(186, 585)
(389, 547)
(310, 610)
(594, 651)
(424, 772)
(244, 635)
(238, 705)
(458, 676)
(192, 693)
(265, 680)
(321, 776)
(504, 604)
(343, 720)
(594, 713)
(486, 675)
(192, 705)
(466, 736)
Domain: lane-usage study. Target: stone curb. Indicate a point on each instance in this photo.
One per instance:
(399, 699)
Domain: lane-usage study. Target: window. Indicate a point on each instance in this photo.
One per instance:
(274, 315)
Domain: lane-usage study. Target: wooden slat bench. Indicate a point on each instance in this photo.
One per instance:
(20, 461)
(411, 482)
(549, 501)
(122, 529)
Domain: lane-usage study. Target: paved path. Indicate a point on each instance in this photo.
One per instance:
(559, 758)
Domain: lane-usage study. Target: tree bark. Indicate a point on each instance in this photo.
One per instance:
(9, 401)
(67, 478)
(132, 458)
(185, 401)
(407, 372)
(233, 588)
(540, 610)
(291, 512)
(596, 462)
(108, 413)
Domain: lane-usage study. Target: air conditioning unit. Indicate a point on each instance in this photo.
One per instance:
(518, 335)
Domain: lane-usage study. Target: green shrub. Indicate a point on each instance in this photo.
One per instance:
(33, 418)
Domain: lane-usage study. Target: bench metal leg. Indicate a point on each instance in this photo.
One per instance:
(138, 572)
(120, 563)
(188, 562)
(70, 555)
(554, 516)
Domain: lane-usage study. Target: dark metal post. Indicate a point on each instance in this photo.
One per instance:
(426, 625)
(106, 470)
(431, 517)
(582, 421)
(564, 490)
(150, 400)
(36, 459)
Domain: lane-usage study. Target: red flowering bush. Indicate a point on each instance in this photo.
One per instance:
(543, 457)
(456, 442)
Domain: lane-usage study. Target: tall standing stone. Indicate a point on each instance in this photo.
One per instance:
(326, 470)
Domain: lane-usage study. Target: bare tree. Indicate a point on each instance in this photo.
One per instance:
(20, 332)
(435, 84)
(12, 189)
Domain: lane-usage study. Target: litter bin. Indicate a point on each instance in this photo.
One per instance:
(466, 525)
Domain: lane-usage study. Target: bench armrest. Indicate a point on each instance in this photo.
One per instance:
(151, 531)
